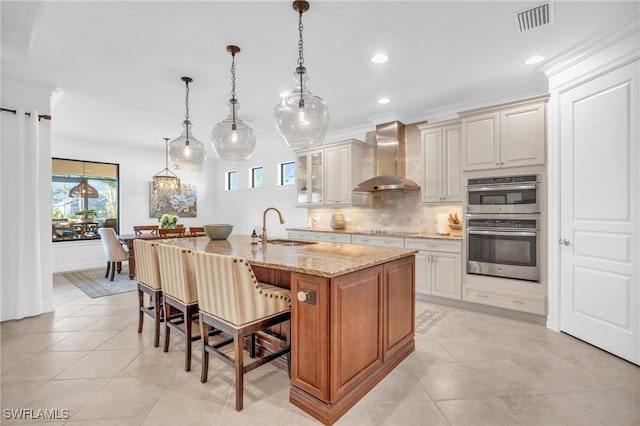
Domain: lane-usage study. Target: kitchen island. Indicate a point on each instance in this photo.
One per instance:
(352, 314)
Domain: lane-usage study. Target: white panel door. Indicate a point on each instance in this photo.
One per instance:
(447, 275)
(600, 212)
(452, 173)
(432, 164)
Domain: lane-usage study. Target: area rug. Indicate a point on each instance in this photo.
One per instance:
(93, 283)
(427, 319)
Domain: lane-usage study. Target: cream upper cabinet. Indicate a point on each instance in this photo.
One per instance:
(441, 162)
(326, 176)
(309, 178)
(508, 135)
(343, 171)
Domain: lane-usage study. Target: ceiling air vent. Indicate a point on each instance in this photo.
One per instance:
(535, 17)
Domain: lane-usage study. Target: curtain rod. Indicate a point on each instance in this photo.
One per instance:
(40, 116)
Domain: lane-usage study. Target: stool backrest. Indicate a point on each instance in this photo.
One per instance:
(177, 273)
(228, 289)
(147, 265)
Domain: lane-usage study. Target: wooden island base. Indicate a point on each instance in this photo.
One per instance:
(348, 333)
(330, 413)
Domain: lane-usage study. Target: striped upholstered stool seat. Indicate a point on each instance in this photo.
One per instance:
(233, 301)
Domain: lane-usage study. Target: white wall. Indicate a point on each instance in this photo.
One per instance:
(244, 207)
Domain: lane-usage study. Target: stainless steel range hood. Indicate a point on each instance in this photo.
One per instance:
(390, 162)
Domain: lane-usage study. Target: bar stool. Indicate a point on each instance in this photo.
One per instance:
(149, 282)
(179, 292)
(232, 300)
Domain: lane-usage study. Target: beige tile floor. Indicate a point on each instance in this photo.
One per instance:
(468, 369)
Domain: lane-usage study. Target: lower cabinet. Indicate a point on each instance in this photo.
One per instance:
(438, 267)
(532, 303)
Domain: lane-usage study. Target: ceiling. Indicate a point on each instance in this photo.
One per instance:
(117, 65)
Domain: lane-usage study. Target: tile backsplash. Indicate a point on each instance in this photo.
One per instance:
(387, 211)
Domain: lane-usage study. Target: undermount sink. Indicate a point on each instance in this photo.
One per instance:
(291, 242)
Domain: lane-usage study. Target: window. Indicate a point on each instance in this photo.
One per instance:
(231, 180)
(286, 173)
(256, 179)
(84, 197)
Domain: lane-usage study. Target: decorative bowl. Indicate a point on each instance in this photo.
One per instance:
(218, 231)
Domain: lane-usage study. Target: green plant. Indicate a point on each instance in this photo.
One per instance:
(87, 214)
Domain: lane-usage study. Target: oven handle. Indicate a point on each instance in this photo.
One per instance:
(504, 233)
(499, 188)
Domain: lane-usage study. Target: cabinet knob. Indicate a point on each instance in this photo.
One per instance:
(307, 296)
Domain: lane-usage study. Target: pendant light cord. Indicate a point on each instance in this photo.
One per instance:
(166, 155)
(233, 89)
(186, 115)
(300, 57)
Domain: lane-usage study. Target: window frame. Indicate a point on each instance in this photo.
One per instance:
(252, 177)
(228, 180)
(281, 174)
(73, 222)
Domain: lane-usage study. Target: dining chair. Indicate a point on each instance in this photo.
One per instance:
(232, 300)
(178, 291)
(113, 250)
(146, 229)
(196, 231)
(148, 272)
(171, 232)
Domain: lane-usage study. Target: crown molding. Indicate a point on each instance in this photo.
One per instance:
(605, 37)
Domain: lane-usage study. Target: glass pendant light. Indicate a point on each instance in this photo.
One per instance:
(83, 189)
(301, 117)
(187, 152)
(233, 139)
(165, 180)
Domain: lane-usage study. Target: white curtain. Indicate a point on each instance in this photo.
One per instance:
(26, 282)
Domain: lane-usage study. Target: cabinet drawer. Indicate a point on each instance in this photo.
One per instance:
(447, 246)
(502, 299)
(374, 240)
(334, 238)
(302, 235)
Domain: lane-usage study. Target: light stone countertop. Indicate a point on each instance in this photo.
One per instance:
(321, 259)
(455, 235)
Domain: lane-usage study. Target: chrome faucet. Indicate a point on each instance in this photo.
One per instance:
(263, 236)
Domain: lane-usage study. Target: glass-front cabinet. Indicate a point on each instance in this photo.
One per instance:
(309, 178)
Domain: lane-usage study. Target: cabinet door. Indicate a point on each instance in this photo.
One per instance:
(432, 165)
(446, 275)
(481, 142)
(523, 136)
(423, 273)
(345, 185)
(302, 179)
(332, 175)
(316, 178)
(451, 172)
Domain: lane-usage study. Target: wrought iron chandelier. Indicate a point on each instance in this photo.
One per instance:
(165, 179)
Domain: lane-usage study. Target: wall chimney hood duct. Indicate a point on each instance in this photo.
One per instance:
(390, 162)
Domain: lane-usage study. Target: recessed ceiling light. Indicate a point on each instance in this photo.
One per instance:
(384, 100)
(380, 58)
(535, 59)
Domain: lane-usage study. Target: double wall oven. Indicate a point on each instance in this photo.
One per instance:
(503, 226)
